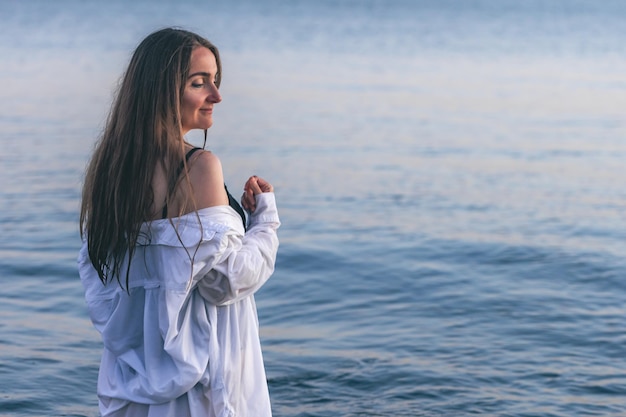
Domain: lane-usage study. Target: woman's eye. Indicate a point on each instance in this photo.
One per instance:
(197, 85)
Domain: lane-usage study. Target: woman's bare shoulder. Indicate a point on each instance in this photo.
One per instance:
(205, 163)
(207, 180)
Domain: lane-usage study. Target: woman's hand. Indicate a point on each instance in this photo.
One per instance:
(254, 186)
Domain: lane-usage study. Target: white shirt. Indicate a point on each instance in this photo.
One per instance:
(185, 342)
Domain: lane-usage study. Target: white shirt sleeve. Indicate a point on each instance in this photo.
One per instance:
(245, 262)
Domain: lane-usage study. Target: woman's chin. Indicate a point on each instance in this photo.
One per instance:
(198, 126)
(205, 124)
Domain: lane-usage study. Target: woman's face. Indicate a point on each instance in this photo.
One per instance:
(201, 93)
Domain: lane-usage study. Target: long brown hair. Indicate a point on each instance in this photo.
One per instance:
(143, 130)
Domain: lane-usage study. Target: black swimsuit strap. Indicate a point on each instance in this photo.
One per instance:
(178, 172)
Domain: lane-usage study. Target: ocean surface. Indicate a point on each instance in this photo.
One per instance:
(450, 178)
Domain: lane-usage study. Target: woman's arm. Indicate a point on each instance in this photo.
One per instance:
(245, 263)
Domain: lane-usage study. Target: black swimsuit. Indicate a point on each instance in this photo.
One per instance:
(231, 200)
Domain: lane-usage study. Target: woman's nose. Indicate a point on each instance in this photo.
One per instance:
(214, 95)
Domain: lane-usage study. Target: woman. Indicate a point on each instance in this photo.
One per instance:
(168, 268)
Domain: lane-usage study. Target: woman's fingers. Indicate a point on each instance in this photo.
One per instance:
(247, 200)
(254, 186)
(264, 186)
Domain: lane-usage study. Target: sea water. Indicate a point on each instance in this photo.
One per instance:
(450, 179)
